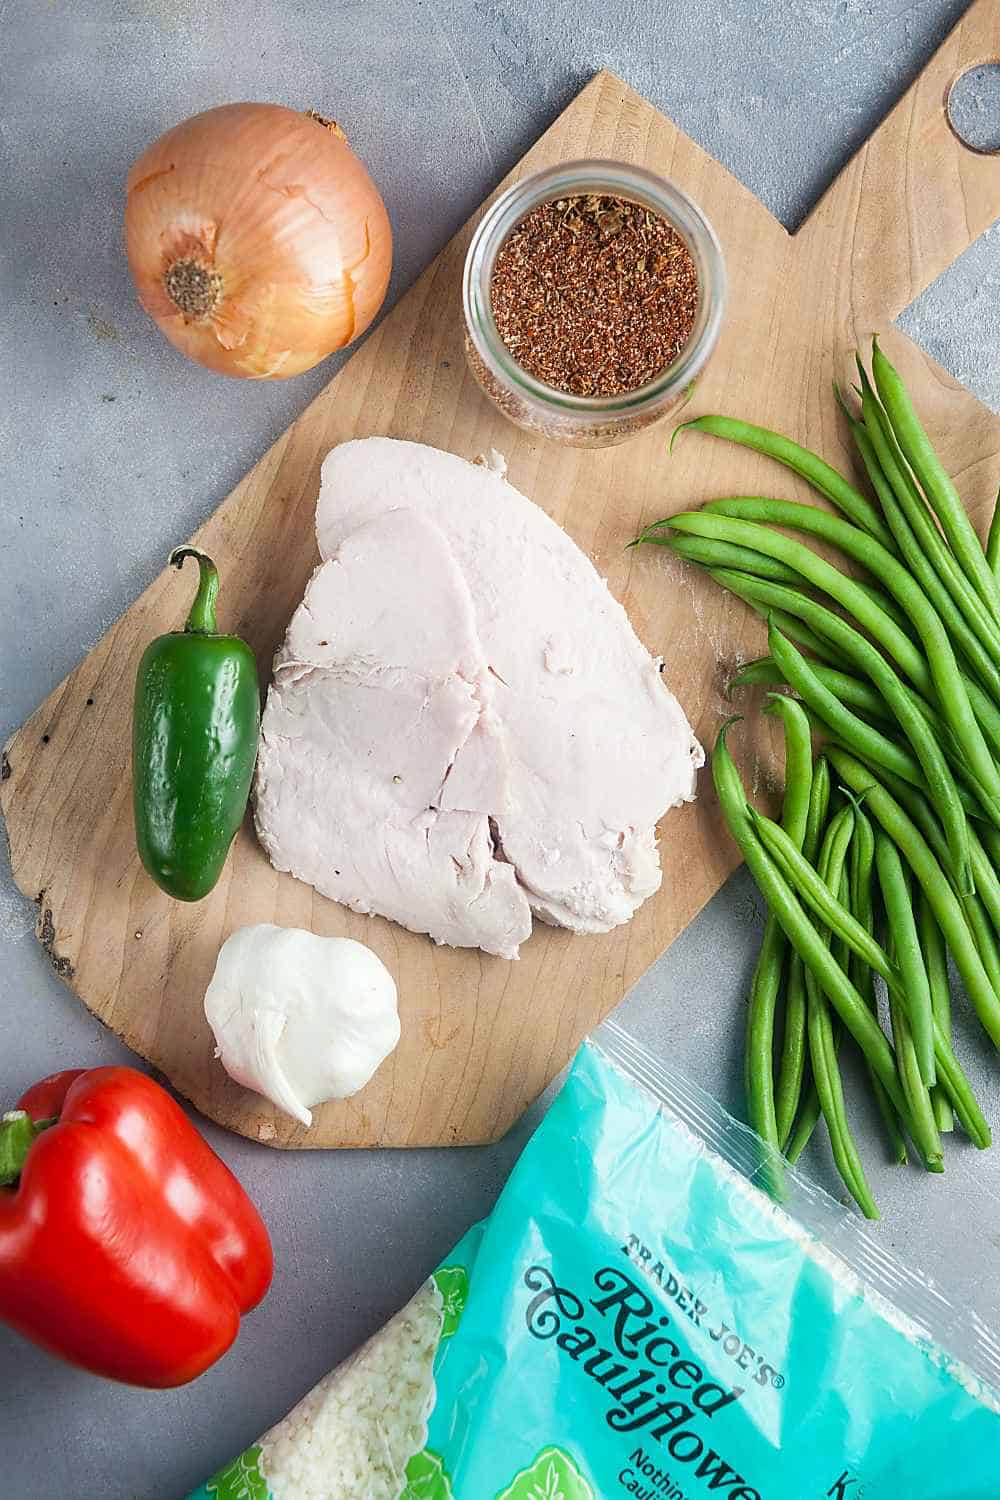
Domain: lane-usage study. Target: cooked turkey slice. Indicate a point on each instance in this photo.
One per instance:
(463, 727)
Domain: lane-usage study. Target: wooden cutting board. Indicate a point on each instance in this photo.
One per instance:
(482, 1037)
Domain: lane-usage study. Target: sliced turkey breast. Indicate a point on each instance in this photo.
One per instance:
(379, 756)
(463, 727)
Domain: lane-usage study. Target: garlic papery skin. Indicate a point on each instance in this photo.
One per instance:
(300, 1018)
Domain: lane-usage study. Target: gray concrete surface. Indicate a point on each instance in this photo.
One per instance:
(113, 448)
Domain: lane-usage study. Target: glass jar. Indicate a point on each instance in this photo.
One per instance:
(588, 421)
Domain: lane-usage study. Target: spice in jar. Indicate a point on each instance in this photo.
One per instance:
(594, 295)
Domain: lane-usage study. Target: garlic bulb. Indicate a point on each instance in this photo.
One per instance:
(300, 1018)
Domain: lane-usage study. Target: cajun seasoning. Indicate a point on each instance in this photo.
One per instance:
(594, 295)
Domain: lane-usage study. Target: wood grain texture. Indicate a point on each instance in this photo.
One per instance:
(482, 1037)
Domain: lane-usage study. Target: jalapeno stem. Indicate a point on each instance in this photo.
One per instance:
(201, 620)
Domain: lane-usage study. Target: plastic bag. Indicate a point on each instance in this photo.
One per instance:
(637, 1319)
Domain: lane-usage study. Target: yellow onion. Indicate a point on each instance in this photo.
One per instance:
(256, 239)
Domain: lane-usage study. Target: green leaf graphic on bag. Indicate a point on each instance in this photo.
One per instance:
(426, 1478)
(553, 1476)
(240, 1480)
(453, 1284)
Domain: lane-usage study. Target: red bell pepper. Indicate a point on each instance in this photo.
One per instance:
(126, 1245)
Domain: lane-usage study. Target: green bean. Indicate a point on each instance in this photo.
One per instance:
(987, 880)
(882, 752)
(948, 681)
(885, 565)
(710, 554)
(794, 628)
(770, 597)
(952, 1091)
(917, 805)
(723, 554)
(993, 540)
(822, 1044)
(811, 468)
(887, 604)
(952, 1077)
(800, 931)
(985, 939)
(766, 983)
(982, 906)
(818, 811)
(971, 805)
(978, 640)
(843, 642)
(971, 802)
(763, 671)
(838, 947)
(715, 554)
(924, 528)
(780, 601)
(984, 870)
(794, 1051)
(805, 1125)
(949, 1069)
(798, 768)
(791, 1069)
(941, 493)
(765, 986)
(918, 1094)
(817, 894)
(824, 1048)
(897, 644)
(987, 714)
(955, 1084)
(991, 841)
(831, 865)
(854, 732)
(909, 1014)
(947, 909)
(898, 898)
(832, 856)
(982, 912)
(920, 522)
(830, 1092)
(862, 859)
(936, 963)
(919, 730)
(746, 529)
(851, 690)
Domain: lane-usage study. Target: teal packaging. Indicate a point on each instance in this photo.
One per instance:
(637, 1321)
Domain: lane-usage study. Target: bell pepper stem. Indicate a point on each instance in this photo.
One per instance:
(18, 1133)
(201, 620)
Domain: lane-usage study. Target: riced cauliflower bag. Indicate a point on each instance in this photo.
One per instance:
(637, 1319)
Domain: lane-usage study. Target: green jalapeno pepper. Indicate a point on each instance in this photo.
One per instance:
(194, 743)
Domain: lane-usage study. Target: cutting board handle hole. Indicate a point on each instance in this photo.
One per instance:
(972, 105)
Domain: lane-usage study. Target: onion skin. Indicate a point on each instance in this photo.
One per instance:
(256, 239)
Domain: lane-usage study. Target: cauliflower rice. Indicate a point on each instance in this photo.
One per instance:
(356, 1431)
